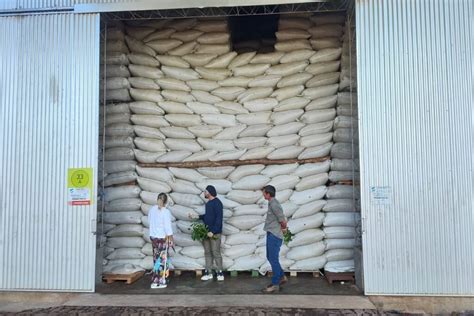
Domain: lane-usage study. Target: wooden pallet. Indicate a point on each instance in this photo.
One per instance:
(254, 273)
(128, 278)
(294, 274)
(316, 274)
(179, 272)
(339, 276)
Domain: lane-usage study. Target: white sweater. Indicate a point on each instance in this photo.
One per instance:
(160, 222)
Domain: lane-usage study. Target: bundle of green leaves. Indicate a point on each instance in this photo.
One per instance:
(199, 231)
(287, 236)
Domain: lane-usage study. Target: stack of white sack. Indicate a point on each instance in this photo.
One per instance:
(199, 101)
(343, 199)
(114, 65)
(348, 81)
(119, 155)
(300, 189)
(195, 100)
(122, 222)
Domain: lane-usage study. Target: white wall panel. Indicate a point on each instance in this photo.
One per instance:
(49, 90)
(416, 100)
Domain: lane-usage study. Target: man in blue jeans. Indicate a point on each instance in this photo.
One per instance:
(275, 226)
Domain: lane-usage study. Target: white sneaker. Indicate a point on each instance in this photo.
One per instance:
(154, 286)
(206, 277)
(162, 286)
(220, 277)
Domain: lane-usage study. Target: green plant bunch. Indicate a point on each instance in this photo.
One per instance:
(199, 231)
(287, 236)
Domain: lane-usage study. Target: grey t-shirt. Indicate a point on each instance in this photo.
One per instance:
(275, 215)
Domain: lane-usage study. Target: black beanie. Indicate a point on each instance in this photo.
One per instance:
(211, 190)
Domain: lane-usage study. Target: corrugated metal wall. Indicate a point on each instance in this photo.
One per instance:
(415, 62)
(49, 90)
(49, 4)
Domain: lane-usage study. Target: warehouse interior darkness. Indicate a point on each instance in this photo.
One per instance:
(259, 96)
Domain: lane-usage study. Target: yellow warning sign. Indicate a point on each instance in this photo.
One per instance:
(79, 183)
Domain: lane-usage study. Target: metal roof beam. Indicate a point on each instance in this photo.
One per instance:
(340, 5)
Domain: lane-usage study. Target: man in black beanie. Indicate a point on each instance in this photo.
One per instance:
(212, 218)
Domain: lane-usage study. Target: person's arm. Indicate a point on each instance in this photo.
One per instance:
(218, 214)
(278, 211)
(218, 218)
(168, 228)
(149, 216)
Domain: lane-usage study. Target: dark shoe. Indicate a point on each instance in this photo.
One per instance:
(271, 289)
(283, 280)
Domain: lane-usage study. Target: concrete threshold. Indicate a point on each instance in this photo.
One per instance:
(16, 302)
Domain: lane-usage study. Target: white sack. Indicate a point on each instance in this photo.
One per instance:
(126, 230)
(257, 130)
(307, 237)
(121, 192)
(309, 209)
(339, 232)
(308, 222)
(339, 254)
(309, 264)
(306, 251)
(216, 172)
(316, 151)
(245, 222)
(341, 219)
(189, 200)
(288, 152)
(125, 242)
(245, 170)
(253, 182)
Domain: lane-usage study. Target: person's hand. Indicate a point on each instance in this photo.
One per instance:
(284, 230)
(170, 242)
(193, 216)
(210, 234)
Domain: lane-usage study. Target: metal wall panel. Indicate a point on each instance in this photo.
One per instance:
(50, 4)
(49, 91)
(132, 5)
(415, 75)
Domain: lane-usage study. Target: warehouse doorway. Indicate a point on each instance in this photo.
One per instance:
(189, 101)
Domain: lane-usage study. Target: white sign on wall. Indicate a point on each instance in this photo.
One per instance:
(381, 195)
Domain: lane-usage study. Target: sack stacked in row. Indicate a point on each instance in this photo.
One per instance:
(343, 198)
(249, 106)
(348, 81)
(119, 146)
(195, 103)
(114, 65)
(123, 227)
(301, 189)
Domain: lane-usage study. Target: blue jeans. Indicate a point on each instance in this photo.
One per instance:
(273, 256)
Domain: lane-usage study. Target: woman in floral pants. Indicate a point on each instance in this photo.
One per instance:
(161, 236)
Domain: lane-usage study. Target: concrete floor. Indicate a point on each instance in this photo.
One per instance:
(244, 283)
(303, 295)
(21, 301)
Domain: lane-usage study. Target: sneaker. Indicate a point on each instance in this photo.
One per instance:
(271, 289)
(220, 276)
(162, 286)
(206, 277)
(154, 286)
(283, 280)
